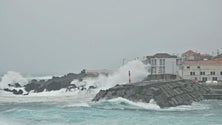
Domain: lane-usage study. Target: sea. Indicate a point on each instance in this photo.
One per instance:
(76, 108)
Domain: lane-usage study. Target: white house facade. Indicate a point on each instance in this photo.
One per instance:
(163, 63)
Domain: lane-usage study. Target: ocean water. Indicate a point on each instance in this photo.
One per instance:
(75, 107)
(112, 112)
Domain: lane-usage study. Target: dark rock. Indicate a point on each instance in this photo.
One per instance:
(33, 85)
(17, 92)
(54, 86)
(83, 71)
(7, 90)
(165, 93)
(92, 87)
(10, 85)
(14, 91)
(17, 85)
(57, 83)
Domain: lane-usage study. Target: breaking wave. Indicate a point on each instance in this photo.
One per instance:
(125, 104)
(137, 68)
(12, 77)
(138, 73)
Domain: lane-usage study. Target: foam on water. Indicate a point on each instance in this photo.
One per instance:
(115, 111)
(122, 103)
(80, 104)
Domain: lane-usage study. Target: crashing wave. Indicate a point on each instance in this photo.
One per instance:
(125, 104)
(11, 78)
(15, 83)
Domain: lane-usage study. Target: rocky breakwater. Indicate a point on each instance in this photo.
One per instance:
(168, 93)
(215, 91)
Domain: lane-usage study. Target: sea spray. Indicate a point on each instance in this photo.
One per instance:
(137, 68)
(138, 73)
(12, 77)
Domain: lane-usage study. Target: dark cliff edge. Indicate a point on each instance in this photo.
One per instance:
(166, 93)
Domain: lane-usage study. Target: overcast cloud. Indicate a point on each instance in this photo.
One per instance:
(60, 36)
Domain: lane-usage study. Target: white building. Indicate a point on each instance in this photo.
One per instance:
(206, 70)
(163, 63)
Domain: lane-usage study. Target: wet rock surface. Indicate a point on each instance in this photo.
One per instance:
(56, 83)
(165, 93)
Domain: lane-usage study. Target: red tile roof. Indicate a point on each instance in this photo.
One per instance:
(189, 53)
(205, 62)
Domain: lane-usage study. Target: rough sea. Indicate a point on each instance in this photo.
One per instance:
(76, 108)
(112, 112)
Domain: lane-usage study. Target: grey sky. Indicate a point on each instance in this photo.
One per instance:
(60, 36)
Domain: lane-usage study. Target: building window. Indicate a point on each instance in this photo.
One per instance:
(153, 62)
(162, 69)
(202, 73)
(153, 70)
(162, 62)
(204, 79)
(192, 73)
(221, 73)
(214, 78)
(212, 73)
(178, 61)
(198, 67)
(188, 67)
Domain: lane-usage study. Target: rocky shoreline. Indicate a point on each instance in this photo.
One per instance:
(55, 83)
(167, 90)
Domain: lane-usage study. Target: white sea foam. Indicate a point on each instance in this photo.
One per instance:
(80, 104)
(138, 72)
(153, 106)
(12, 77)
(80, 97)
(120, 76)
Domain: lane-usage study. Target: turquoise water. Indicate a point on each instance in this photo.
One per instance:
(114, 112)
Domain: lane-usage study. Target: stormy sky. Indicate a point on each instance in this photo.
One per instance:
(60, 36)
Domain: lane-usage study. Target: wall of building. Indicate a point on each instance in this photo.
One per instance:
(169, 66)
(206, 72)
